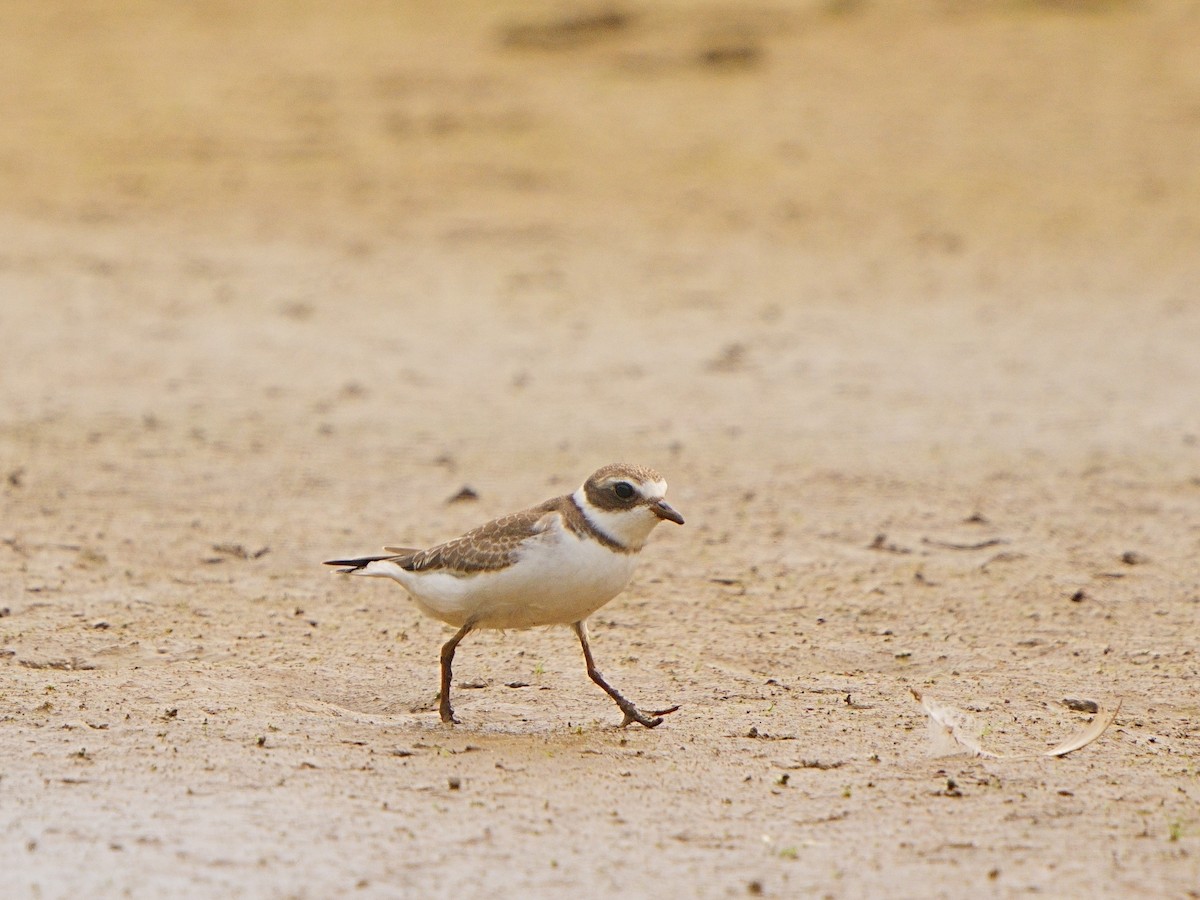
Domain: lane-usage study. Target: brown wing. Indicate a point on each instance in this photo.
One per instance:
(483, 549)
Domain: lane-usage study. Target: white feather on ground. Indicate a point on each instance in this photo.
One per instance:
(953, 731)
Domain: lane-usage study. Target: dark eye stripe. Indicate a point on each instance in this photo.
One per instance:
(601, 492)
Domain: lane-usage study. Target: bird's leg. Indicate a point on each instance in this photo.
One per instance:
(632, 713)
(447, 713)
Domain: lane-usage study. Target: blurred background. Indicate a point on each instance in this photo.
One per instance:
(1063, 126)
(673, 189)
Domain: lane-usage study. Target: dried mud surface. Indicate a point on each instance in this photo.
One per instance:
(903, 303)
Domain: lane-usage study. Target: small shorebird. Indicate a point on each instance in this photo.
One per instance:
(552, 564)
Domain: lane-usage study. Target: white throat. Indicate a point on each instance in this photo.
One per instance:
(628, 527)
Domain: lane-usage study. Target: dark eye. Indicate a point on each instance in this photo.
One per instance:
(623, 489)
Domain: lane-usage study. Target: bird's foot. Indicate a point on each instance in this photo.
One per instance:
(652, 720)
(447, 712)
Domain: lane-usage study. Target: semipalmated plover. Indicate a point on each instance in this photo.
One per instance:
(552, 564)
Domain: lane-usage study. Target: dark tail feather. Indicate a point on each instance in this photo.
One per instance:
(353, 565)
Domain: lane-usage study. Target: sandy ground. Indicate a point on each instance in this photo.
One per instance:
(901, 299)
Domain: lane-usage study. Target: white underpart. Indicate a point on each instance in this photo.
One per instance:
(628, 527)
(559, 578)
